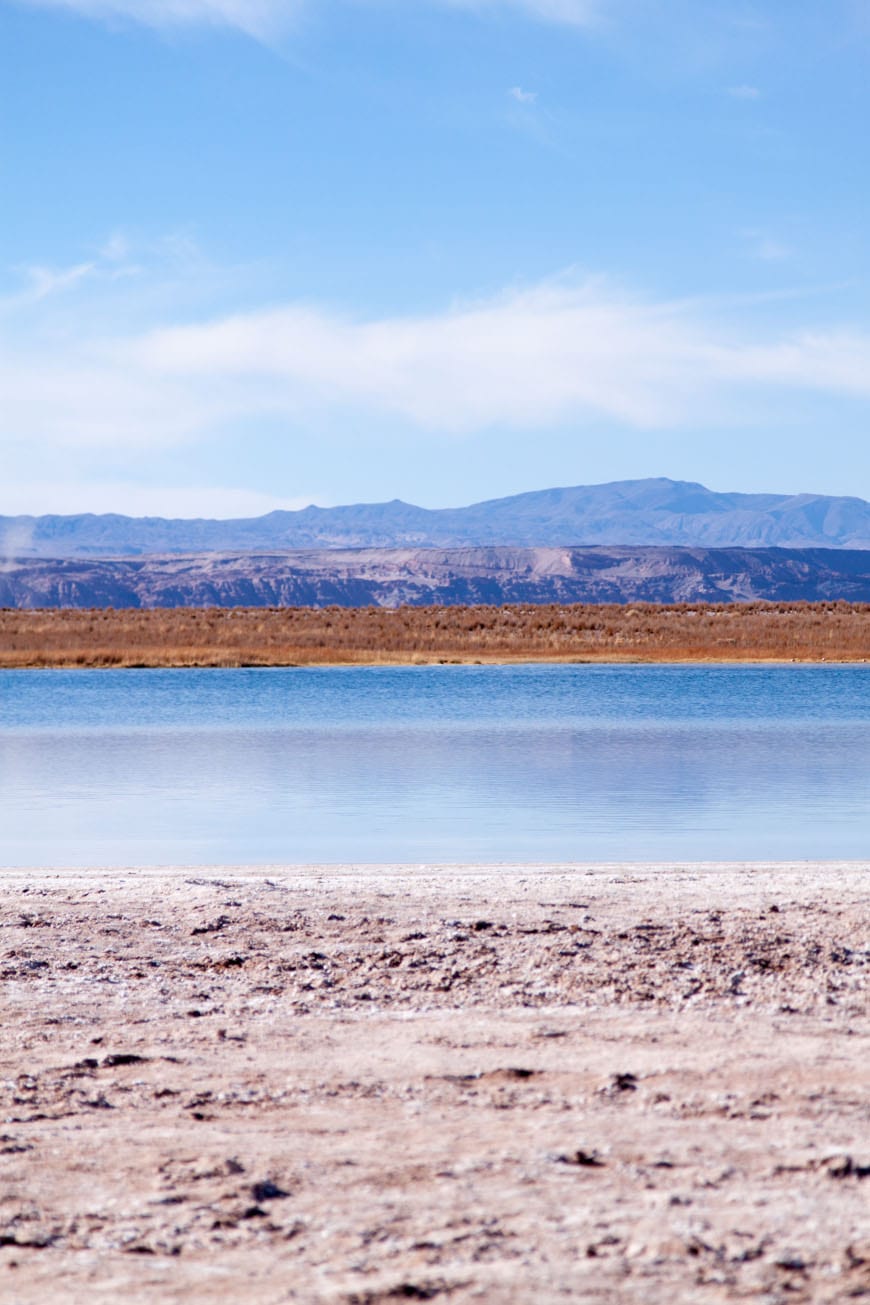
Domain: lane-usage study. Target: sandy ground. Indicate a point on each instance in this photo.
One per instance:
(610, 1084)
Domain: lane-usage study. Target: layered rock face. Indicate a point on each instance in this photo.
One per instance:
(449, 577)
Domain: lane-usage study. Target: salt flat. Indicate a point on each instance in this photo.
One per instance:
(626, 1083)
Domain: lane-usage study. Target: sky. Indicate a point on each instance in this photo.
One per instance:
(264, 253)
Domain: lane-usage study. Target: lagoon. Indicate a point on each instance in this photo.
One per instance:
(531, 763)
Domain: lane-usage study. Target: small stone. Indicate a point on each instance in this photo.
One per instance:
(585, 1159)
(268, 1191)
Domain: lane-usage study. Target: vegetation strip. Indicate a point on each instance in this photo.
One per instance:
(835, 631)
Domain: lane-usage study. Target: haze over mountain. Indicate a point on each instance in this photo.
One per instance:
(647, 512)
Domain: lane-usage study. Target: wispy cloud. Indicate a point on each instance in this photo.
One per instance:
(265, 19)
(525, 360)
(572, 13)
(772, 251)
(42, 282)
(522, 97)
(258, 18)
(113, 261)
(766, 248)
(744, 92)
(116, 249)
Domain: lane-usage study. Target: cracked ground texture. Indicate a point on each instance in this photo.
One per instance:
(628, 1083)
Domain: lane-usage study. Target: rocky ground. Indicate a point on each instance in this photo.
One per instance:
(612, 1084)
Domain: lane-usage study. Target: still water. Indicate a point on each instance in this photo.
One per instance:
(452, 763)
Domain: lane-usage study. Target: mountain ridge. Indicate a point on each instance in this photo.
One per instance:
(651, 512)
(440, 577)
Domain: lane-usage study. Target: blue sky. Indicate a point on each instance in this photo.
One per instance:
(259, 253)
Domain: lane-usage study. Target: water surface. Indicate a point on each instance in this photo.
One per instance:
(454, 763)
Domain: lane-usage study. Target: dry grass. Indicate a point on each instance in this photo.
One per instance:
(834, 631)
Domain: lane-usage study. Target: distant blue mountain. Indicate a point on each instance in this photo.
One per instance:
(660, 511)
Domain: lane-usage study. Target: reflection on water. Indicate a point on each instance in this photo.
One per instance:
(453, 763)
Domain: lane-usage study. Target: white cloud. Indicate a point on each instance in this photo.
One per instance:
(744, 92)
(835, 361)
(525, 360)
(522, 97)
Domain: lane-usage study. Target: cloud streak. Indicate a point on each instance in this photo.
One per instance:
(570, 13)
(265, 19)
(526, 360)
(258, 18)
(766, 248)
(43, 282)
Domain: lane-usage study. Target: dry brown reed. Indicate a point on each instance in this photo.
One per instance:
(835, 631)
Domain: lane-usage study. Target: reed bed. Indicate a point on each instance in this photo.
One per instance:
(835, 631)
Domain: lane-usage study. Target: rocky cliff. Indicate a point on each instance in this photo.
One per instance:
(394, 577)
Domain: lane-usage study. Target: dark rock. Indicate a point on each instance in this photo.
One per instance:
(215, 927)
(843, 1166)
(584, 1159)
(268, 1191)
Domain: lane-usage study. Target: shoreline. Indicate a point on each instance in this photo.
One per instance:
(430, 875)
(302, 872)
(633, 1082)
(421, 664)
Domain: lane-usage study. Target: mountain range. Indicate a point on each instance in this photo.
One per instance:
(646, 512)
